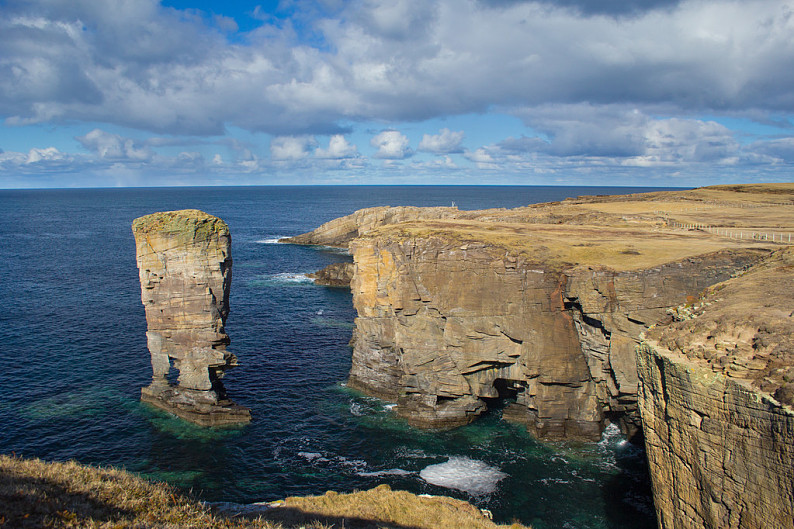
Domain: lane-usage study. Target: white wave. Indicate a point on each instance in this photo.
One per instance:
(356, 409)
(462, 473)
(269, 240)
(291, 277)
(390, 472)
(351, 463)
(610, 435)
(312, 456)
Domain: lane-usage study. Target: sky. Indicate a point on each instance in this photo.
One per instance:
(679, 93)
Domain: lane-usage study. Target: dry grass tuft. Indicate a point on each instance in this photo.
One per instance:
(382, 507)
(34, 493)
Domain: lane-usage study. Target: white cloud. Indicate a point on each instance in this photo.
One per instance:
(39, 160)
(114, 147)
(391, 145)
(142, 65)
(338, 148)
(445, 142)
(482, 157)
(292, 148)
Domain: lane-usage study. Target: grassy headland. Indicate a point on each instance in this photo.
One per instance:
(34, 493)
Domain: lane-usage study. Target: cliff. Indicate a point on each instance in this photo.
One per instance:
(184, 261)
(716, 396)
(339, 232)
(542, 305)
(447, 322)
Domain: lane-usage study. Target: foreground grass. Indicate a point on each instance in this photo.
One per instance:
(34, 493)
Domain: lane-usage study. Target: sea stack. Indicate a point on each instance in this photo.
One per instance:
(185, 266)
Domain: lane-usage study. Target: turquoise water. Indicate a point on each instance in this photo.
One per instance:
(75, 358)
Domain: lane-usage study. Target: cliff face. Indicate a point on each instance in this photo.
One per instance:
(184, 261)
(444, 325)
(716, 392)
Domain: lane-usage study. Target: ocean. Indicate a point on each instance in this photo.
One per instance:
(74, 359)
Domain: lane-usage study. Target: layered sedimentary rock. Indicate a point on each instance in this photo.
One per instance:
(442, 327)
(339, 232)
(716, 396)
(543, 304)
(184, 261)
(334, 275)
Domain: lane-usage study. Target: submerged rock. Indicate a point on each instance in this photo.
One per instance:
(334, 275)
(185, 266)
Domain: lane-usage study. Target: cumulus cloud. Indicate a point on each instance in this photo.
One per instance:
(779, 149)
(114, 147)
(39, 160)
(597, 7)
(391, 145)
(620, 132)
(291, 148)
(445, 142)
(144, 65)
(338, 148)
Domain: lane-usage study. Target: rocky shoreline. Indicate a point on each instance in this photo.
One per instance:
(547, 306)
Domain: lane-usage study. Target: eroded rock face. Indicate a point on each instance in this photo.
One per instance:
(184, 261)
(443, 326)
(339, 232)
(334, 275)
(715, 399)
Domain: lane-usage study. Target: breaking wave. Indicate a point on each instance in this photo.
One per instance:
(461, 473)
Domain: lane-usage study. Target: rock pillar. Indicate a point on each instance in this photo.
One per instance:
(185, 266)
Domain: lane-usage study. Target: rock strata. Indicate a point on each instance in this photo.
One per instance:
(339, 232)
(184, 261)
(716, 404)
(541, 305)
(334, 275)
(445, 327)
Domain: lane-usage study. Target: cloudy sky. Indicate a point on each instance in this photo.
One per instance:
(559, 92)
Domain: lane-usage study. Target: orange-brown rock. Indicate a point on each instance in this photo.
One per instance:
(543, 304)
(444, 326)
(334, 275)
(184, 261)
(716, 404)
(339, 232)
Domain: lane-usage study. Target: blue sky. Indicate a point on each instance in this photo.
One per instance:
(547, 92)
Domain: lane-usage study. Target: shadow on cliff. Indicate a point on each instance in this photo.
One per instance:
(291, 517)
(631, 486)
(38, 501)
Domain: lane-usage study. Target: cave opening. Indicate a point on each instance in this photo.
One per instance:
(173, 372)
(507, 391)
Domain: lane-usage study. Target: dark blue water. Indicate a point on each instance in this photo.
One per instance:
(74, 357)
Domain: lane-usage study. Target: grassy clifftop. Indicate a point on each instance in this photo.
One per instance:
(34, 493)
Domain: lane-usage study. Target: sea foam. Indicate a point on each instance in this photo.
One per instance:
(461, 473)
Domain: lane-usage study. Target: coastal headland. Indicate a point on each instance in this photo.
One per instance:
(548, 306)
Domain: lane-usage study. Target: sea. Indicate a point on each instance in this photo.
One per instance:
(74, 358)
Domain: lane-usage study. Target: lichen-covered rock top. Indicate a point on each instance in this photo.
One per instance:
(184, 261)
(189, 222)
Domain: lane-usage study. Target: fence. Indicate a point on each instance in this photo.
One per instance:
(734, 233)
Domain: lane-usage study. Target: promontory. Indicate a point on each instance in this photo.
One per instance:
(548, 306)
